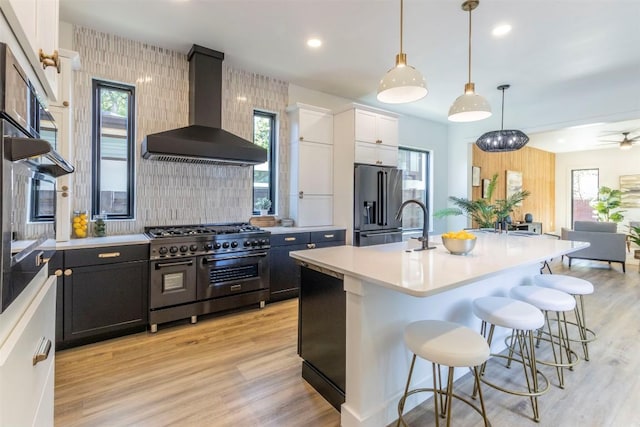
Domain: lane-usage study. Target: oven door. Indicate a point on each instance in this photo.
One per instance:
(173, 282)
(230, 274)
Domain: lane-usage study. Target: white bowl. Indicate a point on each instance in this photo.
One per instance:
(459, 246)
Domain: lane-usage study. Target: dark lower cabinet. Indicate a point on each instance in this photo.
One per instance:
(322, 333)
(105, 293)
(283, 271)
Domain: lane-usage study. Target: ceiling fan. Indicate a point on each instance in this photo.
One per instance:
(626, 142)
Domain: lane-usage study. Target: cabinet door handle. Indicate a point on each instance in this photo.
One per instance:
(300, 194)
(50, 60)
(42, 352)
(378, 162)
(378, 141)
(109, 255)
(328, 236)
(289, 239)
(235, 288)
(68, 272)
(301, 138)
(58, 272)
(311, 245)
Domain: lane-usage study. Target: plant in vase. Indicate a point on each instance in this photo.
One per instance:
(263, 205)
(484, 212)
(634, 237)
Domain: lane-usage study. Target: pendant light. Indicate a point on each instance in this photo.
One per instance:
(403, 83)
(470, 106)
(502, 140)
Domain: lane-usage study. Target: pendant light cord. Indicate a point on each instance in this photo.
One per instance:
(401, 15)
(502, 121)
(469, 81)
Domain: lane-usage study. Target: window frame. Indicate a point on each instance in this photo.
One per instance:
(572, 171)
(97, 86)
(427, 189)
(271, 159)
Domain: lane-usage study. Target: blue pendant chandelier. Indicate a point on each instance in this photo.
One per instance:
(504, 139)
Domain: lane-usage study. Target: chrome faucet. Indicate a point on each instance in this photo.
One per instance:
(425, 222)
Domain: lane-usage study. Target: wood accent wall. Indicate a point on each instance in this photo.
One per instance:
(538, 176)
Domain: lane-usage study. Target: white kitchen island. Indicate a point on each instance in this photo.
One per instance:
(389, 286)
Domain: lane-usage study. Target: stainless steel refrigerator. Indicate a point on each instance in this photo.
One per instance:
(377, 198)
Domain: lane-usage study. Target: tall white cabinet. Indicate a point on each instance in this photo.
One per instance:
(311, 191)
(365, 135)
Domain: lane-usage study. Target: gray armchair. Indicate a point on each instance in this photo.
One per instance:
(606, 243)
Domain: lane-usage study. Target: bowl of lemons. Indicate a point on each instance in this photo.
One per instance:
(459, 242)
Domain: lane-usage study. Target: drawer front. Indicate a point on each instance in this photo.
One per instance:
(327, 236)
(289, 239)
(22, 384)
(105, 255)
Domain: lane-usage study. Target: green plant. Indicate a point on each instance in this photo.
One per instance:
(482, 211)
(606, 205)
(263, 204)
(634, 235)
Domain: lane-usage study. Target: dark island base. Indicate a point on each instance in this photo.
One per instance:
(323, 385)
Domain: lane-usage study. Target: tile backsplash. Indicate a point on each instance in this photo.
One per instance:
(167, 192)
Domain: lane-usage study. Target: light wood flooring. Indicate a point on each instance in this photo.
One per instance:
(242, 370)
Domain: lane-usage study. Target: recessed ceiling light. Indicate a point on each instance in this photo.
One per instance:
(314, 42)
(501, 30)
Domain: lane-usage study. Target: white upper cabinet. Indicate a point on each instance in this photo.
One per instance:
(35, 24)
(376, 128)
(311, 191)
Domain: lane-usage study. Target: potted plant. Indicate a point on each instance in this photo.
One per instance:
(606, 205)
(482, 211)
(634, 237)
(263, 205)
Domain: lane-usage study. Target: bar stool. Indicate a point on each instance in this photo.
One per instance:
(551, 300)
(577, 288)
(524, 320)
(447, 344)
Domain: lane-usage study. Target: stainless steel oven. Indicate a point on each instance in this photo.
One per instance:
(232, 273)
(173, 282)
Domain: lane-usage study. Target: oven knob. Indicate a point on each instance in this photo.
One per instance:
(225, 245)
(263, 242)
(163, 251)
(193, 248)
(247, 243)
(234, 244)
(216, 246)
(208, 246)
(254, 243)
(184, 248)
(173, 249)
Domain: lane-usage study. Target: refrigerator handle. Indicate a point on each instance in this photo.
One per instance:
(385, 182)
(380, 199)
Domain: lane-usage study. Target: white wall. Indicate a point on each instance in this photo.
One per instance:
(611, 162)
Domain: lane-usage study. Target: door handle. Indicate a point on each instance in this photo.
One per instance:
(300, 194)
(68, 272)
(42, 352)
(173, 264)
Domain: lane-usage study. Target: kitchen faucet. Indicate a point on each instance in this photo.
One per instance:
(425, 222)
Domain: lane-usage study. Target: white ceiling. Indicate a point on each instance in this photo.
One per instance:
(569, 62)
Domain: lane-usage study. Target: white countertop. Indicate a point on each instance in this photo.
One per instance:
(424, 273)
(286, 230)
(88, 242)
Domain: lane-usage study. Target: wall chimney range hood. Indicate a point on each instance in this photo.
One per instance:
(203, 141)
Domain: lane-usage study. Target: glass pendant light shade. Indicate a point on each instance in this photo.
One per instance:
(469, 107)
(504, 139)
(402, 84)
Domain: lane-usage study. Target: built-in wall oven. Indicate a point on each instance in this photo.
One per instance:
(28, 170)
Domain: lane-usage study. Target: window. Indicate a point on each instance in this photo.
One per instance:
(113, 150)
(264, 135)
(584, 188)
(415, 184)
(42, 206)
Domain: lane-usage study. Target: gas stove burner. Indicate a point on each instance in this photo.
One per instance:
(201, 230)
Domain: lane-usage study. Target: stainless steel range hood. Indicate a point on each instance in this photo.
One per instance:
(204, 141)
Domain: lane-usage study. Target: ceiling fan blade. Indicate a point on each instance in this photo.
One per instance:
(609, 140)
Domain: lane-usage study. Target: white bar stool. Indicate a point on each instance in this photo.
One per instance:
(524, 320)
(577, 288)
(552, 300)
(448, 344)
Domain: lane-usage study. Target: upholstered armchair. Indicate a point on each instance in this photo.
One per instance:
(606, 243)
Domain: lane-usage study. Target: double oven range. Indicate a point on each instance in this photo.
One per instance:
(201, 269)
